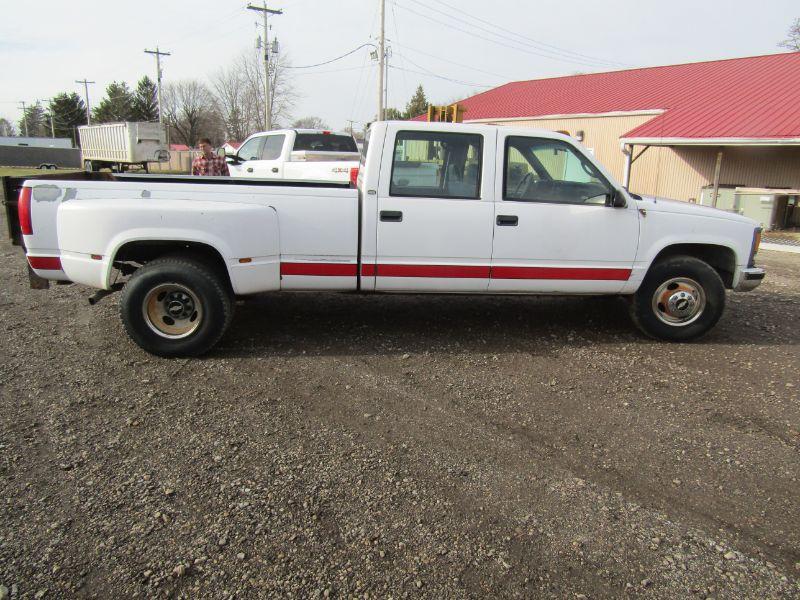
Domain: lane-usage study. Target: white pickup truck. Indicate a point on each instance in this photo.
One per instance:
(441, 208)
(298, 154)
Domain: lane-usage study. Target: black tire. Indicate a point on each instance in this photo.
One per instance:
(680, 299)
(146, 307)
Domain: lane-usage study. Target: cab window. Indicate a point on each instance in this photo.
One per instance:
(272, 147)
(251, 149)
(545, 170)
(436, 165)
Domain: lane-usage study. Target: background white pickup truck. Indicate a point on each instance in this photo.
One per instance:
(438, 208)
(300, 154)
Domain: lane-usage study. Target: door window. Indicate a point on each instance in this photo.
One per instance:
(436, 165)
(544, 170)
(272, 147)
(251, 149)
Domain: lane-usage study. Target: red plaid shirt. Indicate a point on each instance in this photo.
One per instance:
(215, 165)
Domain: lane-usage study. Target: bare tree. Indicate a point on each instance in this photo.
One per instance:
(7, 128)
(239, 90)
(191, 112)
(231, 91)
(793, 41)
(281, 89)
(310, 123)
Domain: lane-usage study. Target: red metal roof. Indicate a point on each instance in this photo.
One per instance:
(754, 97)
(178, 147)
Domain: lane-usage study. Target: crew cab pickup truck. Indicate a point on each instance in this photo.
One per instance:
(308, 154)
(438, 208)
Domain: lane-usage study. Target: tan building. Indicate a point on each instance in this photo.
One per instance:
(680, 131)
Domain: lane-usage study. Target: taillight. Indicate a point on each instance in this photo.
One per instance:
(353, 176)
(24, 211)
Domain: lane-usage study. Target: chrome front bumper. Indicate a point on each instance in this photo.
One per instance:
(749, 279)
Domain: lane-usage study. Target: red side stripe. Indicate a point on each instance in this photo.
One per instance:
(322, 269)
(47, 263)
(442, 271)
(583, 274)
(455, 271)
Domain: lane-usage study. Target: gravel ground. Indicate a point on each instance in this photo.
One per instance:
(443, 447)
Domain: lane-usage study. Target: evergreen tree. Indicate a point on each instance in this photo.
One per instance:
(417, 105)
(145, 101)
(116, 106)
(68, 112)
(34, 122)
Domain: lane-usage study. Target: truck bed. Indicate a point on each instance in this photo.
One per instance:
(11, 186)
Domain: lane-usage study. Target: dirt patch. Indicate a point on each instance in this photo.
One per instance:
(340, 446)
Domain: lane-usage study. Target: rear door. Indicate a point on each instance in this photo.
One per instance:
(553, 229)
(435, 210)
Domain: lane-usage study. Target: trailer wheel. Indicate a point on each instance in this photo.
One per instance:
(176, 306)
(680, 299)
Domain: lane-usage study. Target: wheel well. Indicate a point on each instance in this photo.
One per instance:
(132, 255)
(720, 258)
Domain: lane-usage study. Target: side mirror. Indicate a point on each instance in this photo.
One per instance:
(221, 152)
(616, 199)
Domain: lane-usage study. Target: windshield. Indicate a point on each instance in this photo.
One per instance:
(325, 142)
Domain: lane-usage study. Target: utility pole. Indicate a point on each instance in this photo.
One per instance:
(24, 117)
(350, 125)
(381, 58)
(86, 96)
(264, 12)
(158, 54)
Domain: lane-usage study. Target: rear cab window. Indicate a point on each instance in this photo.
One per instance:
(434, 164)
(324, 142)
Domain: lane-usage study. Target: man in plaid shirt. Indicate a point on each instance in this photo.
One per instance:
(209, 163)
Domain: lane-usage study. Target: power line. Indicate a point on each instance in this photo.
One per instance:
(499, 43)
(526, 38)
(432, 74)
(327, 62)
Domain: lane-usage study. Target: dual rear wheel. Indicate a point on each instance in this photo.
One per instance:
(176, 306)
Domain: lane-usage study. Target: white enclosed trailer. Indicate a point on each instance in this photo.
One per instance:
(122, 145)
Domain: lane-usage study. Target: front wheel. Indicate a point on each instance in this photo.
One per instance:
(176, 306)
(680, 299)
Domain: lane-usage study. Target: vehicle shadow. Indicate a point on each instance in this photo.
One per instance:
(351, 324)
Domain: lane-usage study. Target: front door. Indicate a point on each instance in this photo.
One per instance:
(270, 164)
(434, 222)
(248, 154)
(554, 230)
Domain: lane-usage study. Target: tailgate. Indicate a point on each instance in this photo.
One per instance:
(11, 187)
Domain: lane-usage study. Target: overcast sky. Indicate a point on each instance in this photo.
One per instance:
(454, 48)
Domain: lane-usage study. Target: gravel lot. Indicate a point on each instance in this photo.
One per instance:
(344, 446)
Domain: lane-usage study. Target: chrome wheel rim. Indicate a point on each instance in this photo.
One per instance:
(172, 311)
(679, 301)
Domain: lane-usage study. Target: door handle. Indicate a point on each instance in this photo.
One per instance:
(249, 169)
(391, 216)
(274, 169)
(508, 220)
